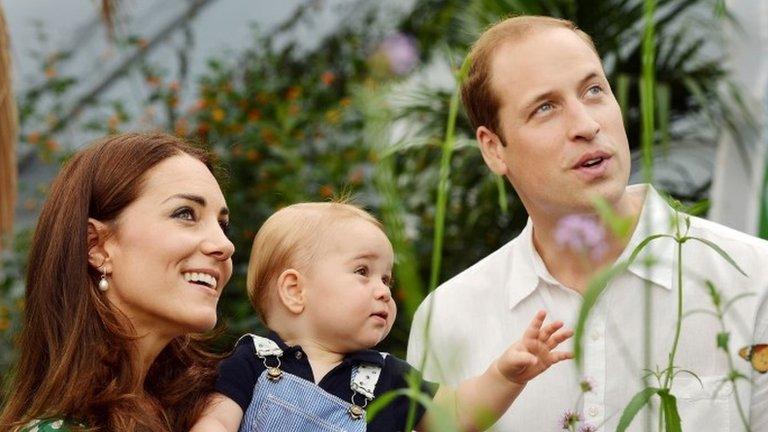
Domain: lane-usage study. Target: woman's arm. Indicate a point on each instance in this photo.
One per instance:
(221, 415)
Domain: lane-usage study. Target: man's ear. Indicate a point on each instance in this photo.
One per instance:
(290, 291)
(492, 148)
(98, 257)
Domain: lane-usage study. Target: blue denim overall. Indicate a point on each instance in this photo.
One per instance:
(283, 402)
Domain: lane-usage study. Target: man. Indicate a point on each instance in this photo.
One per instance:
(546, 119)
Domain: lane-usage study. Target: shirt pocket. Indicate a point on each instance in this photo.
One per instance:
(705, 405)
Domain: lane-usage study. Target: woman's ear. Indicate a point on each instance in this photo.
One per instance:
(290, 290)
(97, 237)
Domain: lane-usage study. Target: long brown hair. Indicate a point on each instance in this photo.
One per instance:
(75, 349)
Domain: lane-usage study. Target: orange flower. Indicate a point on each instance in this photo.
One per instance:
(254, 115)
(252, 155)
(293, 93)
(5, 323)
(328, 78)
(141, 43)
(50, 72)
(33, 137)
(51, 144)
(326, 191)
(113, 122)
(200, 104)
(181, 127)
(218, 114)
(345, 102)
(152, 80)
(356, 176)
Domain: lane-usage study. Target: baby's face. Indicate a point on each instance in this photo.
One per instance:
(348, 301)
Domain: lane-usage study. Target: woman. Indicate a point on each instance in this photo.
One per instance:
(127, 263)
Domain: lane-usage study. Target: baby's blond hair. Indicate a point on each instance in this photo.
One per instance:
(291, 238)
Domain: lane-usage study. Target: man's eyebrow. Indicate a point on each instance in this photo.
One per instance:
(196, 199)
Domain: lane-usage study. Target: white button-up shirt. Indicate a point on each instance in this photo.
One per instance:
(476, 315)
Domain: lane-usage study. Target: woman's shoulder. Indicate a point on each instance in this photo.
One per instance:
(49, 425)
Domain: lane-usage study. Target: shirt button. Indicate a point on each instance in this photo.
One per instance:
(298, 355)
(593, 411)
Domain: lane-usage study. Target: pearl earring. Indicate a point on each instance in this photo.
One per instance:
(103, 283)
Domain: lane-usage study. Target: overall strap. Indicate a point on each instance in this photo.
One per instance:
(263, 347)
(365, 376)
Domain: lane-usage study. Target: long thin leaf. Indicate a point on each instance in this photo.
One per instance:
(671, 416)
(635, 405)
(720, 251)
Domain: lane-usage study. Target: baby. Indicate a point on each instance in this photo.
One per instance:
(320, 277)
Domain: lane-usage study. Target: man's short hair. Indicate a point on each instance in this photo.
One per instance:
(480, 101)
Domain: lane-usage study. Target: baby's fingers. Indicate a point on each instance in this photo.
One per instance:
(546, 332)
(534, 329)
(558, 356)
(556, 339)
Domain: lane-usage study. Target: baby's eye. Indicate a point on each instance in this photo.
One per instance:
(387, 280)
(362, 271)
(184, 213)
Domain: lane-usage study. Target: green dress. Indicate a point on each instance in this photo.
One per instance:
(50, 425)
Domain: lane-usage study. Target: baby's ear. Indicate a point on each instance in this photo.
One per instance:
(290, 290)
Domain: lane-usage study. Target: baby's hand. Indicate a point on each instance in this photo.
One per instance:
(533, 354)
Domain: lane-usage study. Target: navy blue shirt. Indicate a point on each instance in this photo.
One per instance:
(239, 372)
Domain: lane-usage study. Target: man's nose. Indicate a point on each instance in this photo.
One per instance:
(582, 124)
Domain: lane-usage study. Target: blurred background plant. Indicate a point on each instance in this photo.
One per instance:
(361, 112)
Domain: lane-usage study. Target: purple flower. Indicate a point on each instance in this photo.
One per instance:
(587, 427)
(583, 234)
(569, 419)
(400, 52)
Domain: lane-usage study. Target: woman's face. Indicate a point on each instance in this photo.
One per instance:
(169, 256)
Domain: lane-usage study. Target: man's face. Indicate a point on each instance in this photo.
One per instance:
(563, 129)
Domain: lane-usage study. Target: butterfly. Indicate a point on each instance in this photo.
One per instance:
(757, 355)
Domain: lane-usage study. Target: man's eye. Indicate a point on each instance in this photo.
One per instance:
(362, 271)
(544, 108)
(595, 90)
(184, 213)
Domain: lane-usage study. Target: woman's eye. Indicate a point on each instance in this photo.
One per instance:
(362, 271)
(184, 213)
(225, 226)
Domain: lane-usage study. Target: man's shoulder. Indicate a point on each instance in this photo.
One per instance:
(717, 232)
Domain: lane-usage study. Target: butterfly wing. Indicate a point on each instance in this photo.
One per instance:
(759, 358)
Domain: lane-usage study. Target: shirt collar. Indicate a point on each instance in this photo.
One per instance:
(655, 218)
(527, 268)
(363, 356)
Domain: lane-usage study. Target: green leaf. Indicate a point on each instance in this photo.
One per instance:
(713, 293)
(671, 416)
(635, 405)
(720, 251)
(592, 293)
(722, 340)
(643, 244)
